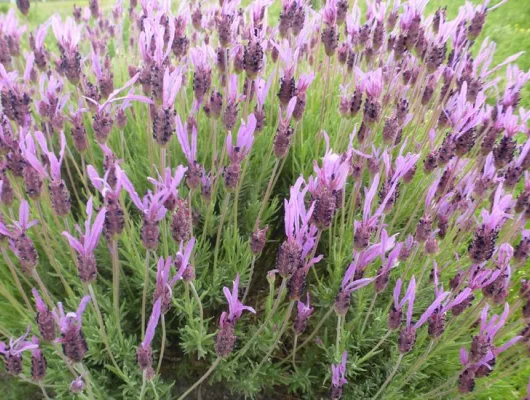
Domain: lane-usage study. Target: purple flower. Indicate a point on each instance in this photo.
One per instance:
(13, 352)
(70, 325)
(245, 138)
(19, 241)
(235, 307)
(304, 312)
(87, 242)
(144, 352)
(225, 340)
(169, 184)
(189, 149)
(338, 377)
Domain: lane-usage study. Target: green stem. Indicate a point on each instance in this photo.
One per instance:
(198, 299)
(277, 339)
(116, 281)
(219, 232)
(163, 345)
(13, 271)
(389, 378)
(144, 291)
(339, 334)
(206, 375)
(372, 352)
(104, 331)
(260, 329)
(368, 313)
(251, 273)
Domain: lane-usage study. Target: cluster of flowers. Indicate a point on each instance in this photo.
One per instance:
(412, 95)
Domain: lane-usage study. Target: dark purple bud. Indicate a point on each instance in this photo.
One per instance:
(231, 175)
(258, 239)
(431, 162)
(39, 366)
(436, 324)
(181, 223)
(225, 340)
(102, 125)
(342, 53)
(503, 153)
(480, 346)
(253, 59)
(325, 205)
(287, 90)
(296, 285)
(361, 237)
(87, 267)
(144, 357)
(299, 107)
(202, 80)
(114, 219)
(289, 258)
(394, 318)
(406, 339)
(27, 254)
(224, 29)
(282, 141)
(7, 194)
(194, 175)
(150, 234)
(13, 363)
(335, 392)
(372, 111)
(74, 344)
(483, 244)
(342, 303)
(381, 281)
(60, 197)
(330, 38)
(163, 125)
(230, 114)
(466, 380)
(476, 25)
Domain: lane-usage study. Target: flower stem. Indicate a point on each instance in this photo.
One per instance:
(251, 273)
(368, 313)
(267, 192)
(116, 281)
(339, 334)
(277, 339)
(43, 390)
(315, 331)
(142, 391)
(294, 349)
(144, 292)
(163, 345)
(372, 352)
(224, 208)
(206, 375)
(198, 299)
(260, 329)
(387, 381)
(13, 271)
(43, 289)
(103, 331)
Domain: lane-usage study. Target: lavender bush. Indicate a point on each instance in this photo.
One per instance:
(360, 179)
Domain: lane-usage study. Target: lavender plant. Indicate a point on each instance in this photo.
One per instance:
(358, 172)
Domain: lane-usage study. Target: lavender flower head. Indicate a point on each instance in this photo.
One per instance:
(144, 352)
(13, 350)
(70, 325)
(87, 243)
(45, 318)
(195, 171)
(304, 312)
(19, 242)
(236, 154)
(338, 378)
(225, 340)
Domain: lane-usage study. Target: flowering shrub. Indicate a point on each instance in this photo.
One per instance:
(359, 179)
